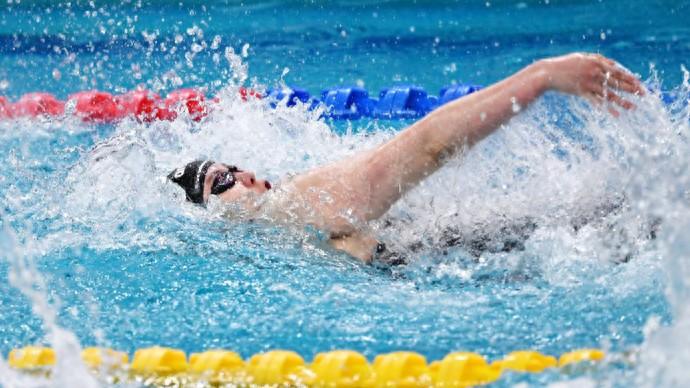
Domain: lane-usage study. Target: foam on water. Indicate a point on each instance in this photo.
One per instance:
(591, 188)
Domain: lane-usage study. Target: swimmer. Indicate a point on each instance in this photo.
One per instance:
(342, 197)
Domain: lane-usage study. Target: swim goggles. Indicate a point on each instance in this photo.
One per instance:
(224, 181)
(192, 177)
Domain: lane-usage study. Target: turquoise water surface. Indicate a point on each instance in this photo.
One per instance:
(94, 236)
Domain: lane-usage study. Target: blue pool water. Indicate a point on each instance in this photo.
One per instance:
(95, 242)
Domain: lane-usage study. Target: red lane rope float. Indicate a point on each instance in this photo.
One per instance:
(4, 108)
(143, 104)
(247, 93)
(38, 104)
(101, 107)
(95, 106)
(194, 100)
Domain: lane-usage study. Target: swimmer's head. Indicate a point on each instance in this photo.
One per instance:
(202, 178)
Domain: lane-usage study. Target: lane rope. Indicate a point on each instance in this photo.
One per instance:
(341, 103)
(337, 368)
(345, 103)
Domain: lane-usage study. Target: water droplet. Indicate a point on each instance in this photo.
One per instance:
(216, 42)
(196, 48)
(516, 107)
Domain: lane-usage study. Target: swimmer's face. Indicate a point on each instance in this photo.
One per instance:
(231, 184)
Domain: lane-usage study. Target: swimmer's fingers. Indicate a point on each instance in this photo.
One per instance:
(617, 77)
(598, 96)
(618, 100)
(592, 76)
(623, 80)
(628, 86)
(605, 86)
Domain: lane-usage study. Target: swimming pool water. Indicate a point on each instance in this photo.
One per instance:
(110, 46)
(125, 264)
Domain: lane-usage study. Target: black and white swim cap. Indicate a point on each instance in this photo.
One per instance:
(191, 179)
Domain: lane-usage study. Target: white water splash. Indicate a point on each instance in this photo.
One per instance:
(69, 369)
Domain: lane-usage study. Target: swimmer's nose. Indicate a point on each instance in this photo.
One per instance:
(268, 185)
(246, 178)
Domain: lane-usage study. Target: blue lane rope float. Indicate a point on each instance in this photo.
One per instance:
(337, 368)
(393, 103)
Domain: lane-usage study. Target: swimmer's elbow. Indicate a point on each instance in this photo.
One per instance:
(434, 154)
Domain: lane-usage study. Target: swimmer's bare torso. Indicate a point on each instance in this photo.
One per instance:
(342, 197)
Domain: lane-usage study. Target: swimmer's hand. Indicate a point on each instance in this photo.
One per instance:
(593, 77)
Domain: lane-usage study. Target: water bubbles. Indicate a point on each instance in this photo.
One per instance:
(189, 57)
(136, 71)
(239, 69)
(150, 38)
(195, 31)
(179, 39)
(4, 84)
(196, 48)
(514, 105)
(172, 78)
(57, 75)
(245, 50)
(215, 43)
(451, 68)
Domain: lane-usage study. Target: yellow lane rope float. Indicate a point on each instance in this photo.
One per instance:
(337, 368)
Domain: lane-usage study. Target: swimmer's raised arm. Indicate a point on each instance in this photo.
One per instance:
(377, 179)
